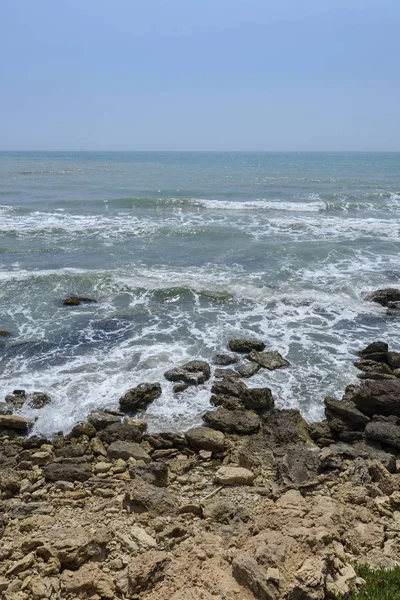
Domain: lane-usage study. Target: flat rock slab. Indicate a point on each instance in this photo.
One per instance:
(269, 360)
(244, 345)
(234, 476)
(233, 421)
(126, 450)
(205, 438)
(16, 423)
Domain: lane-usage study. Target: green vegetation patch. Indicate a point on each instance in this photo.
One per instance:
(380, 584)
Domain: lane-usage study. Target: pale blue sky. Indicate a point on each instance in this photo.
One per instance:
(200, 74)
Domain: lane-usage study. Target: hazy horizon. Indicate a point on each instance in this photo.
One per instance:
(221, 76)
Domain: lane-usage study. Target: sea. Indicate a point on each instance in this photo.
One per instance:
(183, 251)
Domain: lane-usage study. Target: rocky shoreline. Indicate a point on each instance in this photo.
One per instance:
(255, 504)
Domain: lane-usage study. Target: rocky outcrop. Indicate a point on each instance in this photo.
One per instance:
(268, 360)
(205, 438)
(233, 421)
(194, 372)
(385, 297)
(244, 345)
(139, 397)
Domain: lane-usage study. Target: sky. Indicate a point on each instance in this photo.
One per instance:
(273, 75)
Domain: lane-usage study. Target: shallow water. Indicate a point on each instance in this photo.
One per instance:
(182, 252)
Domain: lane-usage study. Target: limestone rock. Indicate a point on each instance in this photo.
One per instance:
(346, 410)
(269, 360)
(16, 423)
(258, 399)
(371, 366)
(377, 397)
(142, 497)
(140, 396)
(83, 429)
(76, 545)
(229, 386)
(22, 565)
(244, 345)
(90, 580)
(228, 402)
(205, 438)
(153, 473)
(386, 433)
(147, 570)
(101, 420)
(125, 450)
(121, 431)
(375, 349)
(67, 472)
(233, 421)
(9, 480)
(234, 475)
(247, 572)
(194, 372)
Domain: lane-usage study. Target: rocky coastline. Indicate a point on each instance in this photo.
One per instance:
(255, 504)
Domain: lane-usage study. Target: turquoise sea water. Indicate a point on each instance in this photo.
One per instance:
(182, 252)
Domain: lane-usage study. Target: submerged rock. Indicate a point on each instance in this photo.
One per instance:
(244, 345)
(77, 300)
(384, 297)
(140, 396)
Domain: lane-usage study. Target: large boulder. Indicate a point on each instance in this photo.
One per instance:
(343, 415)
(140, 396)
(244, 345)
(224, 359)
(285, 427)
(16, 423)
(248, 369)
(205, 438)
(121, 431)
(269, 360)
(372, 366)
(71, 471)
(384, 297)
(233, 421)
(101, 420)
(126, 450)
(229, 386)
(377, 397)
(258, 399)
(377, 351)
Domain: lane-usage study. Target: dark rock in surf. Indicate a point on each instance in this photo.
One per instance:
(121, 431)
(371, 366)
(258, 399)
(384, 297)
(194, 372)
(101, 420)
(4, 334)
(180, 387)
(224, 360)
(376, 397)
(374, 349)
(228, 402)
(346, 413)
(77, 300)
(38, 400)
(248, 369)
(223, 373)
(230, 386)
(244, 345)
(140, 396)
(269, 360)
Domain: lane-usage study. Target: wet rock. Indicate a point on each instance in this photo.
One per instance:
(180, 387)
(376, 351)
(371, 366)
(394, 360)
(377, 397)
(194, 372)
(244, 345)
(153, 473)
(147, 570)
(16, 399)
(386, 433)
(38, 400)
(229, 386)
(384, 296)
(249, 574)
(233, 421)
(224, 373)
(229, 475)
(101, 420)
(126, 450)
(269, 360)
(248, 369)
(4, 334)
(140, 396)
(83, 429)
(5, 409)
(224, 359)
(16, 423)
(205, 438)
(228, 402)
(142, 497)
(77, 300)
(258, 399)
(67, 472)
